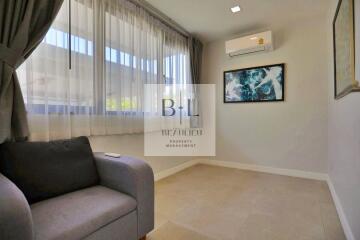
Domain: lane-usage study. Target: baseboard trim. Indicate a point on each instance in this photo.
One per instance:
(264, 169)
(242, 166)
(344, 222)
(173, 170)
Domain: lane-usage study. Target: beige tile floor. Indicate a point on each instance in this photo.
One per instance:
(208, 203)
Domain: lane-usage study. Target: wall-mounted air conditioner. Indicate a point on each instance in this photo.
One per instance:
(260, 42)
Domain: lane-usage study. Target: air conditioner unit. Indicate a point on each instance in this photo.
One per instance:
(260, 42)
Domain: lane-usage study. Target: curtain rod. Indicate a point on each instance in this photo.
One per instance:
(161, 16)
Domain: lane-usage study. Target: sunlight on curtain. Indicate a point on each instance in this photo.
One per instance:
(59, 101)
(139, 50)
(116, 48)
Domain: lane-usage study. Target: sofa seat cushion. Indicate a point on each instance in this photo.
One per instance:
(79, 214)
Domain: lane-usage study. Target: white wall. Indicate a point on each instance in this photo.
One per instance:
(344, 146)
(309, 131)
(290, 134)
(133, 145)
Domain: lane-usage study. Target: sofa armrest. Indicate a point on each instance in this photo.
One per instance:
(133, 177)
(15, 215)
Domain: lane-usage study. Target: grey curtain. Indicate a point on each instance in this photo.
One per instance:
(196, 51)
(23, 24)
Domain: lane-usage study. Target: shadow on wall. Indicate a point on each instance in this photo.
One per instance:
(133, 145)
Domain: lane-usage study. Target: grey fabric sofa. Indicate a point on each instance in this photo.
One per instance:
(50, 195)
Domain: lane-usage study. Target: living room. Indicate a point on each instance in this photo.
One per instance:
(164, 119)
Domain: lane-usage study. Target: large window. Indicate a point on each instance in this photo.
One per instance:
(114, 49)
(47, 83)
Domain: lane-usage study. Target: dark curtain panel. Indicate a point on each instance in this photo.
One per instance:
(23, 24)
(196, 50)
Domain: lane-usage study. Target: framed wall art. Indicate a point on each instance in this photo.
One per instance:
(256, 84)
(344, 49)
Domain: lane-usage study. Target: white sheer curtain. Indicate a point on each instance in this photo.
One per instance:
(116, 48)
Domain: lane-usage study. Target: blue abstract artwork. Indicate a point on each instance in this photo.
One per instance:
(258, 84)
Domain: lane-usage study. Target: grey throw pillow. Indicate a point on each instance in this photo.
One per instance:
(43, 170)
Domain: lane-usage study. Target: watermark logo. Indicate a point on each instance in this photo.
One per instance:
(179, 120)
(173, 109)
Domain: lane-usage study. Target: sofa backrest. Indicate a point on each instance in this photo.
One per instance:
(43, 170)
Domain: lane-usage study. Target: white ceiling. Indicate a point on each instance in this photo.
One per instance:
(212, 19)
